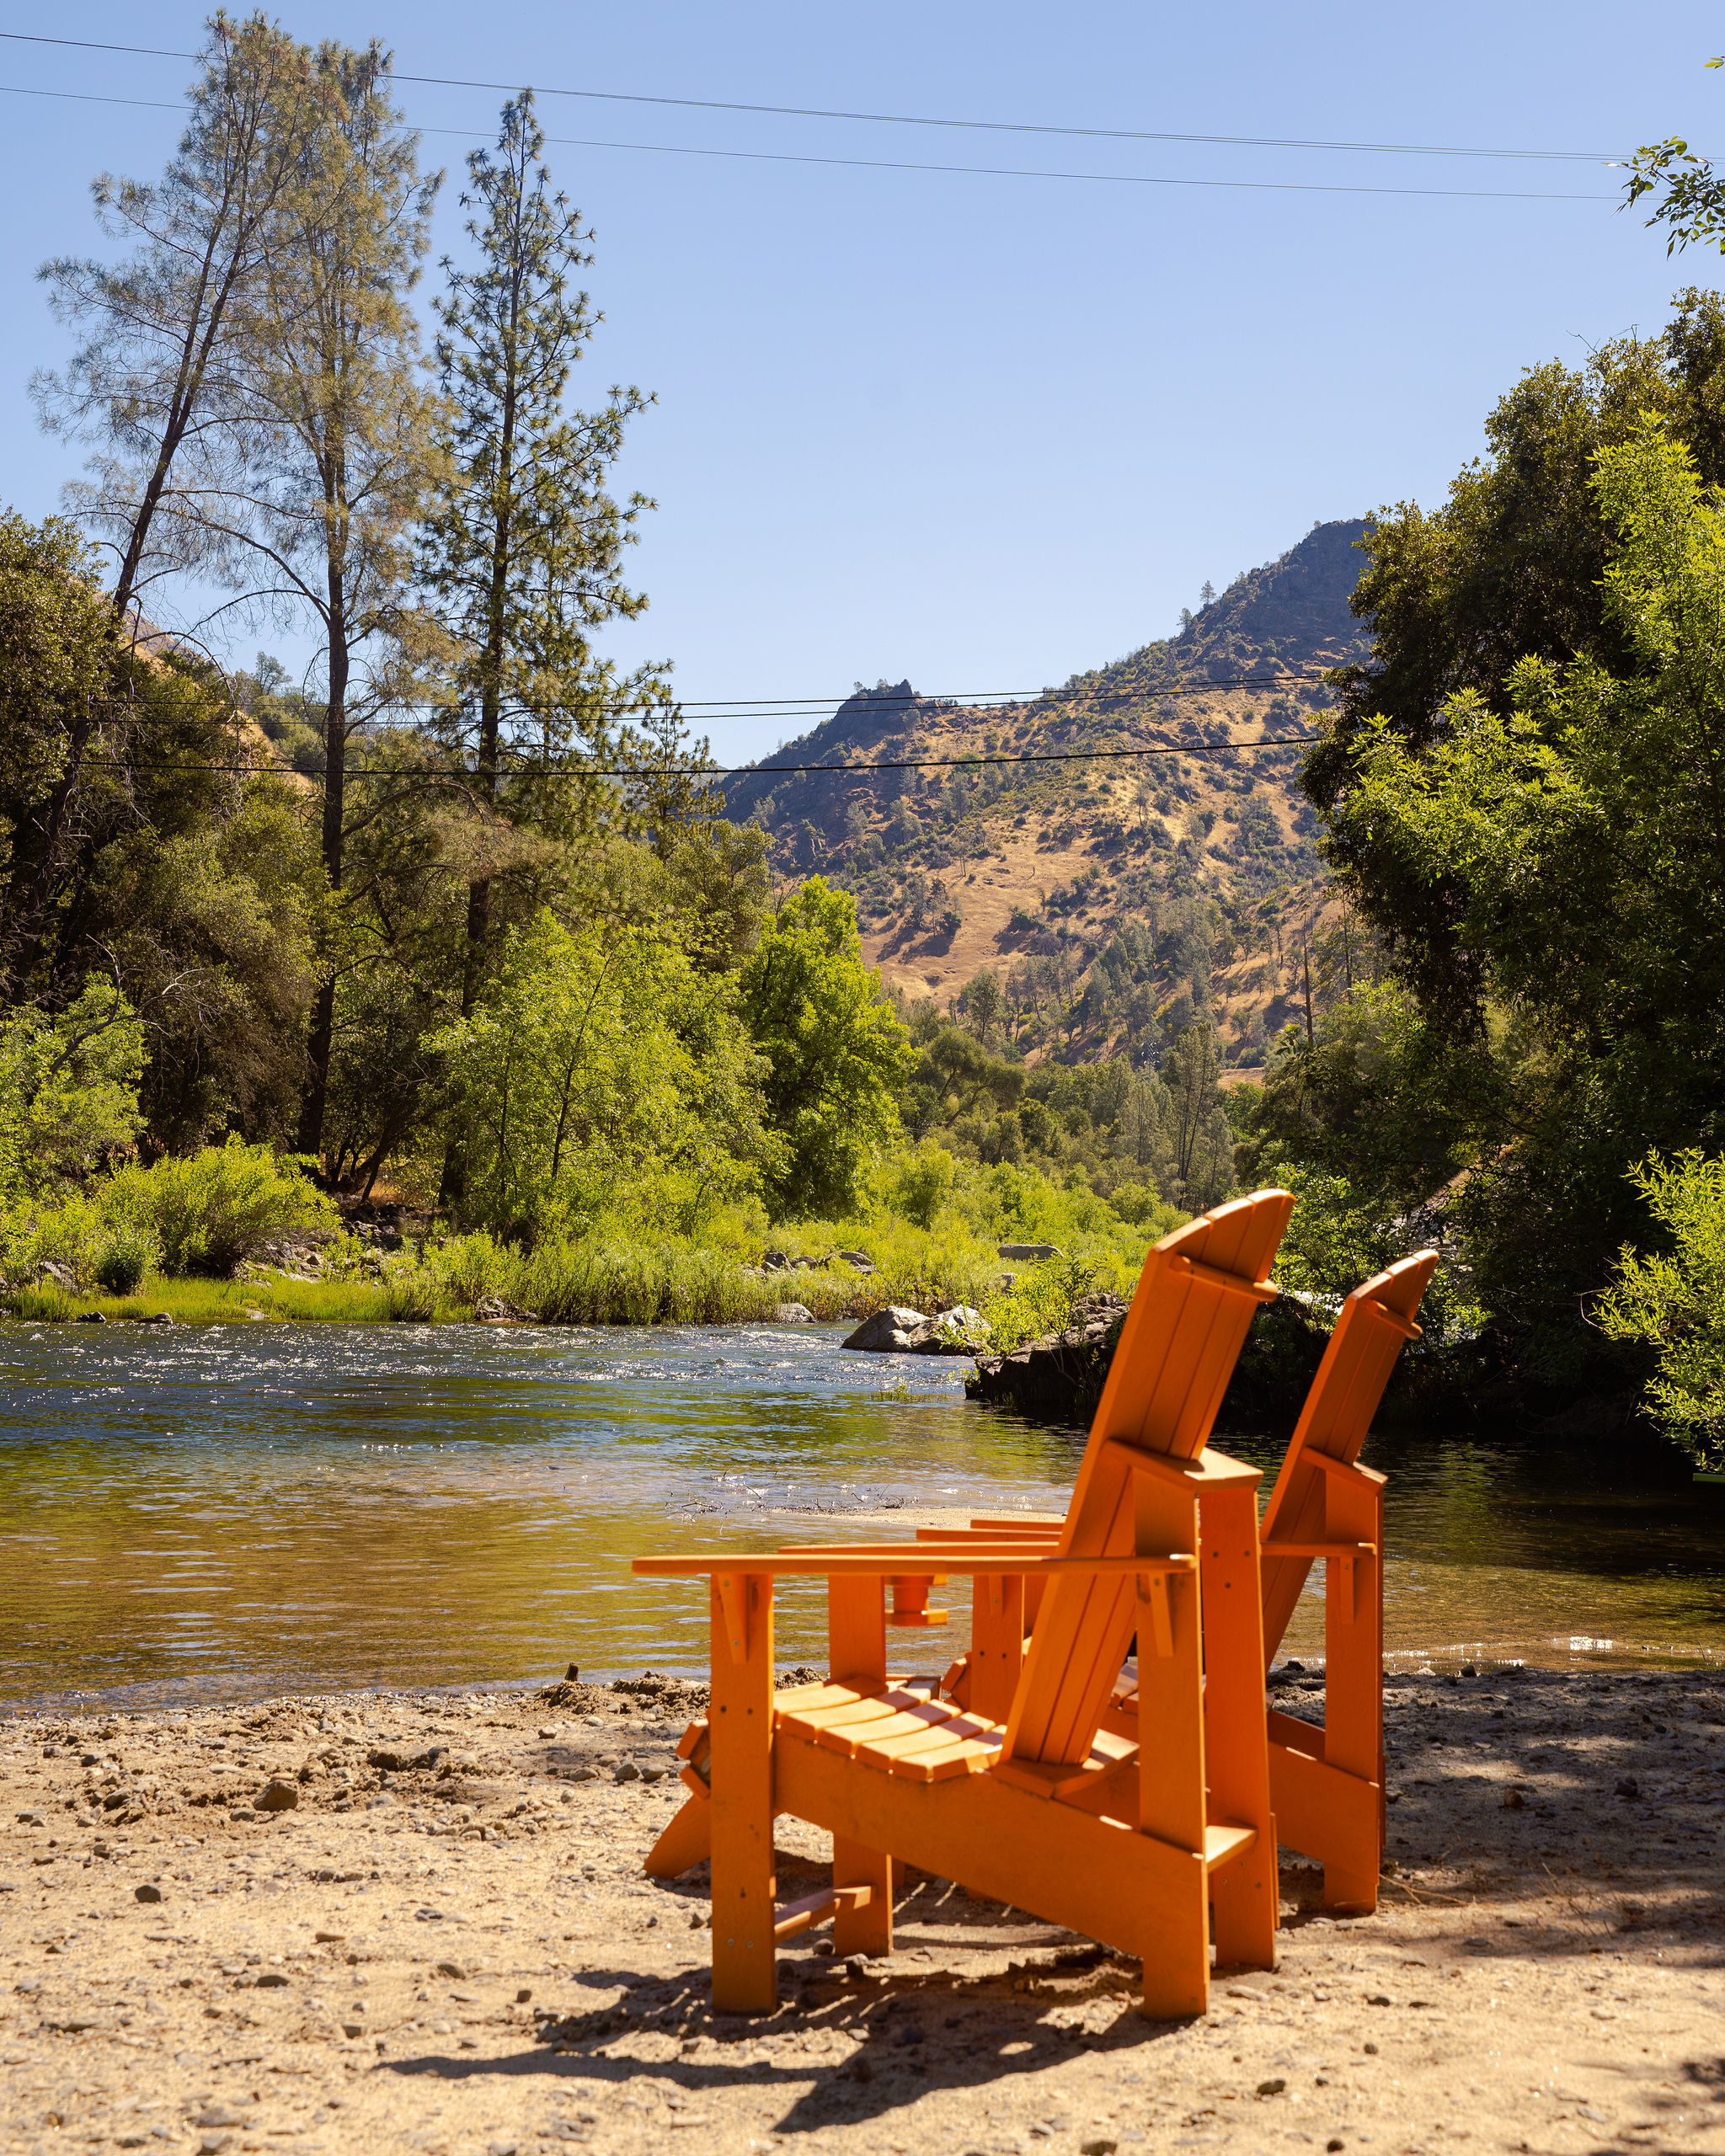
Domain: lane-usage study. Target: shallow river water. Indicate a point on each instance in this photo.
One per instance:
(215, 1511)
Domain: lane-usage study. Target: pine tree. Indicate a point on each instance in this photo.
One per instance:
(523, 552)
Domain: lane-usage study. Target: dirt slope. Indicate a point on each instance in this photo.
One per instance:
(1185, 871)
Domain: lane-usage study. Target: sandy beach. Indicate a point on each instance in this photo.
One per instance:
(443, 1941)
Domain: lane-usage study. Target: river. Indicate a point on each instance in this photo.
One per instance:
(217, 1512)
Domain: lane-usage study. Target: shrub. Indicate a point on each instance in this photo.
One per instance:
(469, 1268)
(122, 1259)
(1040, 1300)
(214, 1209)
(923, 1182)
(409, 1288)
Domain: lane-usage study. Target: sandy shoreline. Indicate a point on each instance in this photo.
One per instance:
(462, 1954)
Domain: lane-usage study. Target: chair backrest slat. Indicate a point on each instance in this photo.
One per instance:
(1335, 1422)
(1177, 1348)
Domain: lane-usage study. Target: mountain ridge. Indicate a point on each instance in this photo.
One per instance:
(1137, 880)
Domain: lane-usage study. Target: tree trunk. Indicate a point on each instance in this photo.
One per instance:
(323, 1033)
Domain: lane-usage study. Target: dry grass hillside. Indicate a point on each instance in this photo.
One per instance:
(1114, 897)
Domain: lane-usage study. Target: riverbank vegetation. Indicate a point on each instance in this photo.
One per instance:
(1520, 803)
(457, 921)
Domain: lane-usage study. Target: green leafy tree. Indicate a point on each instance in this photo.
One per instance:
(68, 1092)
(1201, 1142)
(1376, 1096)
(602, 1075)
(1574, 827)
(56, 650)
(1511, 567)
(983, 1003)
(835, 1051)
(1673, 1300)
(192, 886)
(335, 434)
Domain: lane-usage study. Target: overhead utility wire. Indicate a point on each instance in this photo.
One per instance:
(736, 771)
(969, 699)
(894, 164)
(911, 120)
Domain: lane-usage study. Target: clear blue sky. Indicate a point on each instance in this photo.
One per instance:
(984, 431)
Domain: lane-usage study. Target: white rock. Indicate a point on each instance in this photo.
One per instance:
(888, 1331)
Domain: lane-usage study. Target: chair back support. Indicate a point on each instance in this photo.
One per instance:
(1375, 1320)
(1177, 1348)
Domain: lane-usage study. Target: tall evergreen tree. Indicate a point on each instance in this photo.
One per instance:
(523, 553)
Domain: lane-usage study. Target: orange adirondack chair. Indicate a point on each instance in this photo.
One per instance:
(1023, 1795)
(1327, 1781)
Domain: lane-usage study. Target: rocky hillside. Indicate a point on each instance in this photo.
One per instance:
(1114, 897)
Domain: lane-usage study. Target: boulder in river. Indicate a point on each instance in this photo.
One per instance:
(888, 1331)
(898, 1330)
(959, 1331)
(791, 1314)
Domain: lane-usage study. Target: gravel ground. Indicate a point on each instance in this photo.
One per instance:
(443, 1941)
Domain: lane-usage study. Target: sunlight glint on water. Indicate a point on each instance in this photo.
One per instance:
(214, 1511)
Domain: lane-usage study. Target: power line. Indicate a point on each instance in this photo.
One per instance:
(738, 708)
(896, 164)
(913, 120)
(981, 171)
(731, 770)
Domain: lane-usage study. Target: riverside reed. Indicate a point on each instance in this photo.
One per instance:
(601, 1283)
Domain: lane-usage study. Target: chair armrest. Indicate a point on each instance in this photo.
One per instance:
(908, 1558)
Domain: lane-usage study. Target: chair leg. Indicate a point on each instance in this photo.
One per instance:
(1354, 1682)
(1171, 1768)
(745, 1886)
(687, 1840)
(856, 1623)
(868, 1930)
(1244, 1893)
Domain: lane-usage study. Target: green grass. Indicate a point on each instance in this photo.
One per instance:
(613, 1280)
(212, 1302)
